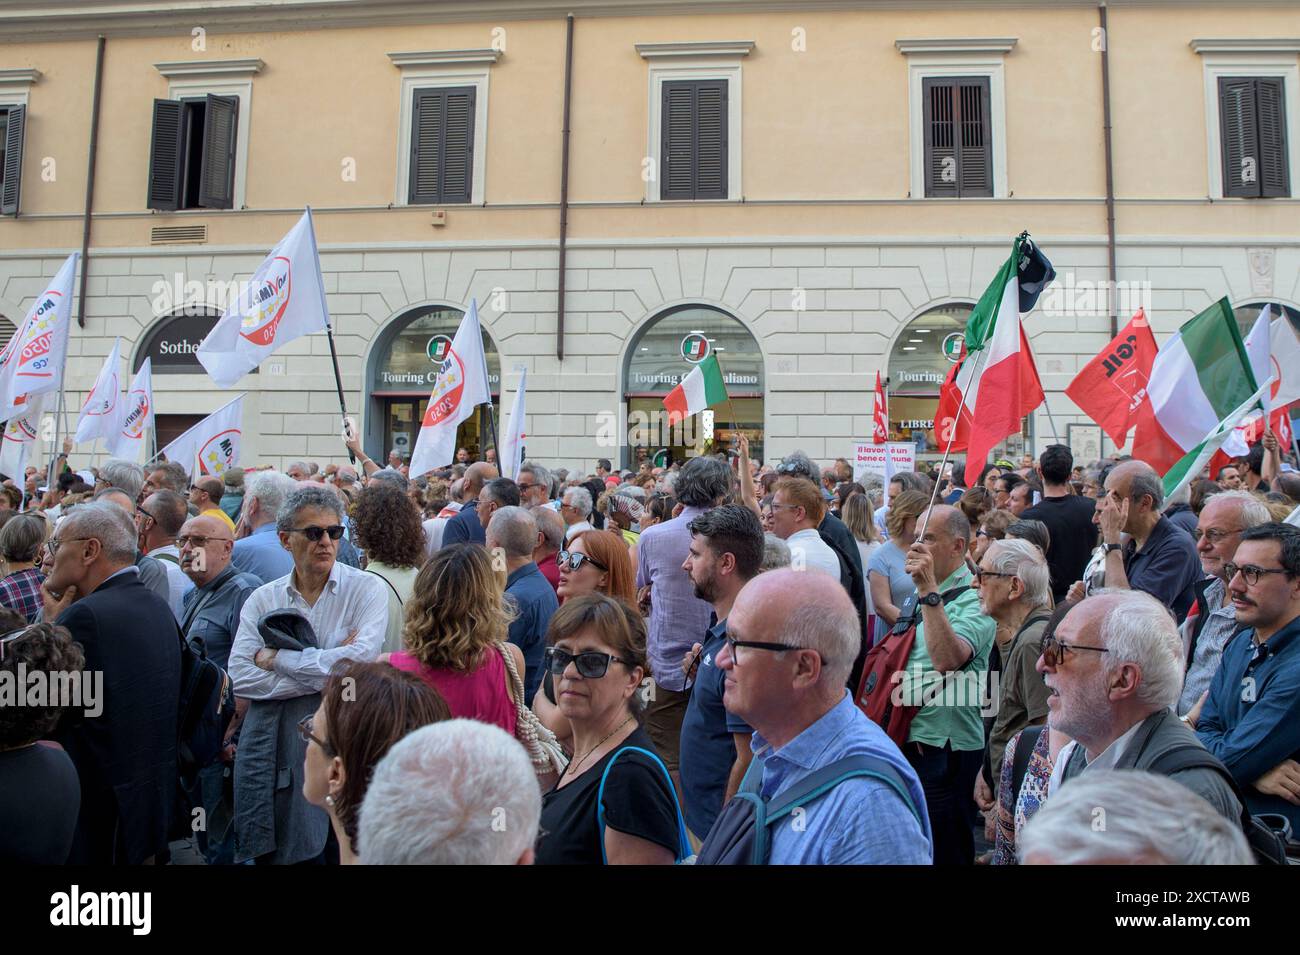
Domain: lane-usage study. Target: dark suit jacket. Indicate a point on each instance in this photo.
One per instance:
(464, 527)
(125, 756)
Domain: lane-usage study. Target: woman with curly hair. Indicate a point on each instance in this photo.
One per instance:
(364, 709)
(40, 793)
(455, 631)
(386, 525)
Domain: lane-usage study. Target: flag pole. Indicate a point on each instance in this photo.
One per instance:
(934, 493)
(735, 428)
(487, 380)
(329, 331)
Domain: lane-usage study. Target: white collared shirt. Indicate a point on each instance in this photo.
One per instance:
(351, 600)
(809, 551)
(178, 585)
(1106, 759)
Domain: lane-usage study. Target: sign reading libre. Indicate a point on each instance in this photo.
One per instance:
(695, 348)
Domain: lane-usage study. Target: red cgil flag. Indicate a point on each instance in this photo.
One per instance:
(879, 416)
(1112, 388)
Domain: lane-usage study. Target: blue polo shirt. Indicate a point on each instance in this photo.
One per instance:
(707, 748)
(262, 555)
(1166, 567)
(465, 527)
(1251, 719)
(534, 601)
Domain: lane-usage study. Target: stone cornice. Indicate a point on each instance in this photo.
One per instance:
(1247, 45)
(695, 48)
(180, 68)
(19, 77)
(975, 44)
(444, 57)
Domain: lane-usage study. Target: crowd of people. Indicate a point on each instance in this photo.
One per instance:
(717, 661)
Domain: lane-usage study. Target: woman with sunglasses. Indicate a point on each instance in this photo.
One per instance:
(455, 631)
(365, 708)
(597, 562)
(615, 801)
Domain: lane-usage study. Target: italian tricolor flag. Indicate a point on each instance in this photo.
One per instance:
(996, 384)
(700, 389)
(1201, 386)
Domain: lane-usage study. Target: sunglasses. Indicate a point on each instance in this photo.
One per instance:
(591, 664)
(1053, 650)
(571, 560)
(315, 533)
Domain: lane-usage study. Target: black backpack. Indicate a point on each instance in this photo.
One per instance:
(742, 833)
(1267, 838)
(205, 709)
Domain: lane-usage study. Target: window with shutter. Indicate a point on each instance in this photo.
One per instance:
(442, 146)
(958, 137)
(217, 173)
(166, 156)
(693, 161)
(1252, 133)
(193, 156)
(13, 122)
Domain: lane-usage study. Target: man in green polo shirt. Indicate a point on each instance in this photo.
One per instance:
(948, 665)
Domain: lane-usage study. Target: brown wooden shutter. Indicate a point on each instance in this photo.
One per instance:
(217, 178)
(958, 137)
(165, 156)
(442, 146)
(1239, 135)
(693, 140)
(13, 164)
(1274, 169)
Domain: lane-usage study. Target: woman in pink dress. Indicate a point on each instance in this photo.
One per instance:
(455, 632)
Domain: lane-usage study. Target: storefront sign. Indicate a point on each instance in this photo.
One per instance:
(695, 348)
(870, 458)
(174, 342)
(673, 345)
(411, 360)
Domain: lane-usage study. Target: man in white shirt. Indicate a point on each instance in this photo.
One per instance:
(158, 521)
(797, 509)
(348, 611)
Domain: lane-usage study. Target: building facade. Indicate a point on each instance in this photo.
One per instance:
(821, 190)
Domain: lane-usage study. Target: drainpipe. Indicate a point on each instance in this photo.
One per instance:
(1110, 171)
(564, 187)
(90, 180)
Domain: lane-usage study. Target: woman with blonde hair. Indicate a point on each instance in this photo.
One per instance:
(887, 580)
(455, 631)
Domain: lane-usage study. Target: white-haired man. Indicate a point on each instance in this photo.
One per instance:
(1012, 581)
(575, 508)
(512, 534)
(459, 792)
(1213, 619)
(1114, 669)
(791, 641)
(1130, 818)
(261, 553)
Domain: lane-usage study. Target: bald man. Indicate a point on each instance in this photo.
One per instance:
(945, 742)
(211, 613)
(1159, 558)
(152, 573)
(466, 526)
(792, 638)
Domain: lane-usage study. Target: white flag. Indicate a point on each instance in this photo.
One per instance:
(1285, 359)
(103, 406)
(284, 300)
(214, 442)
(19, 439)
(462, 385)
(1258, 346)
(510, 456)
(136, 417)
(32, 362)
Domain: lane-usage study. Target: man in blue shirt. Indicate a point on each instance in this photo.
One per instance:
(792, 637)
(726, 552)
(1251, 718)
(466, 526)
(261, 553)
(511, 537)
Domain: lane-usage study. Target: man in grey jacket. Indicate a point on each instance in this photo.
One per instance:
(1114, 668)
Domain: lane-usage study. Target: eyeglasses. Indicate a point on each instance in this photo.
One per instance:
(1053, 650)
(305, 728)
(591, 664)
(9, 638)
(1212, 535)
(572, 561)
(140, 511)
(785, 507)
(980, 574)
(733, 643)
(315, 533)
(1250, 573)
(198, 540)
(52, 545)
(528, 487)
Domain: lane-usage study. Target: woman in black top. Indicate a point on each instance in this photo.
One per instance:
(40, 794)
(597, 657)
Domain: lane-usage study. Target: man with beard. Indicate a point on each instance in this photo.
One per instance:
(726, 551)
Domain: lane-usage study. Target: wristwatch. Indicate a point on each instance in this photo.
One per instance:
(932, 599)
(1111, 547)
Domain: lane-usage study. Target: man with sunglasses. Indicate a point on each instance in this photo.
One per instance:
(1212, 622)
(158, 520)
(1114, 669)
(1251, 718)
(348, 612)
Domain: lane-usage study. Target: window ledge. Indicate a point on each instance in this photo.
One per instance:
(1247, 45)
(993, 44)
(718, 48)
(19, 77)
(177, 68)
(444, 57)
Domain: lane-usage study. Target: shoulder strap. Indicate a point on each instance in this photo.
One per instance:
(1025, 746)
(683, 842)
(950, 595)
(828, 777)
(167, 557)
(400, 601)
(1196, 756)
